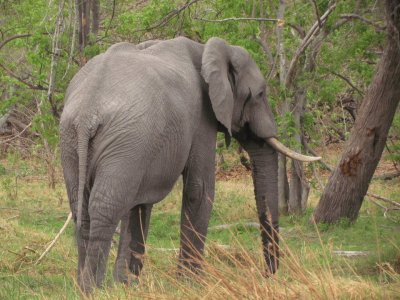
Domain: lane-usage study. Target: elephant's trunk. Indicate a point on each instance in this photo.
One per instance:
(265, 177)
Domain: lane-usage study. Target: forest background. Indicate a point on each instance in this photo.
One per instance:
(318, 58)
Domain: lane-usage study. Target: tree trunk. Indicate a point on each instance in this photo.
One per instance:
(283, 184)
(83, 7)
(95, 5)
(346, 188)
(299, 187)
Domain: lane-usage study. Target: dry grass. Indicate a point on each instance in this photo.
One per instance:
(31, 214)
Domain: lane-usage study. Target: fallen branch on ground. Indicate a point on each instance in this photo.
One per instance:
(350, 253)
(233, 19)
(55, 239)
(227, 226)
(388, 176)
(394, 203)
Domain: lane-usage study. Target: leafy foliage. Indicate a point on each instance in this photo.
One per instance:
(31, 56)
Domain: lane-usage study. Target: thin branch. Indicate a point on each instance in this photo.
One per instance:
(348, 81)
(17, 135)
(362, 19)
(300, 31)
(55, 239)
(54, 57)
(109, 24)
(323, 163)
(378, 204)
(11, 73)
(386, 209)
(73, 38)
(314, 30)
(394, 203)
(233, 19)
(18, 36)
(321, 185)
(317, 13)
(15, 76)
(168, 17)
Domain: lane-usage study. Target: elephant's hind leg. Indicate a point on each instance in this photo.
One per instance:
(105, 210)
(69, 159)
(134, 229)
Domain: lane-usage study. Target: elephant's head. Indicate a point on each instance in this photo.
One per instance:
(237, 91)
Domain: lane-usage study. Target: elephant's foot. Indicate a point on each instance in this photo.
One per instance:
(128, 273)
(123, 275)
(86, 281)
(189, 268)
(93, 272)
(127, 278)
(271, 255)
(136, 264)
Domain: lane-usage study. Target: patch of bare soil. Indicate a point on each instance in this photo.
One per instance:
(234, 172)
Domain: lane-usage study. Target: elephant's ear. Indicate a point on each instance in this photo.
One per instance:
(215, 69)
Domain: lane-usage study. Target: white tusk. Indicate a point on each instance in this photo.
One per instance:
(278, 146)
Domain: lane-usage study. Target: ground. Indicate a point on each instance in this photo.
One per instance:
(31, 214)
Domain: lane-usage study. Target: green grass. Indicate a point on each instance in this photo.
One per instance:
(31, 214)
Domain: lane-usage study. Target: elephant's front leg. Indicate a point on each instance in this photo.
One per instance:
(134, 229)
(198, 197)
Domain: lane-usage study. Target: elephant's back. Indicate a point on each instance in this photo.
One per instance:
(134, 96)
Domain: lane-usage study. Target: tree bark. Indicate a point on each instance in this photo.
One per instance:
(346, 188)
(283, 184)
(83, 8)
(95, 6)
(299, 187)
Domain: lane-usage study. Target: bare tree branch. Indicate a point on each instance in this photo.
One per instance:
(394, 203)
(300, 31)
(17, 135)
(233, 19)
(54, 55)
(11, 73)
(362, 19)
(74, 20)
(18, 36)
(317, 13)
(322, 162)
(15, 76)
(109, 24)
(348, 81)
(304, 44)
(168, 17)
(55, 239)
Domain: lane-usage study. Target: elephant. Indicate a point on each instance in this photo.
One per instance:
(136, 118)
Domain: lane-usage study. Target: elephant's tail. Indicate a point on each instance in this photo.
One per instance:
(83, 145)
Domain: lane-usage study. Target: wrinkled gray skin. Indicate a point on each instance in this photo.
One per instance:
(135, 119)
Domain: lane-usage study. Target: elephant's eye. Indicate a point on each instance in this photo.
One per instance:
(260, 94)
